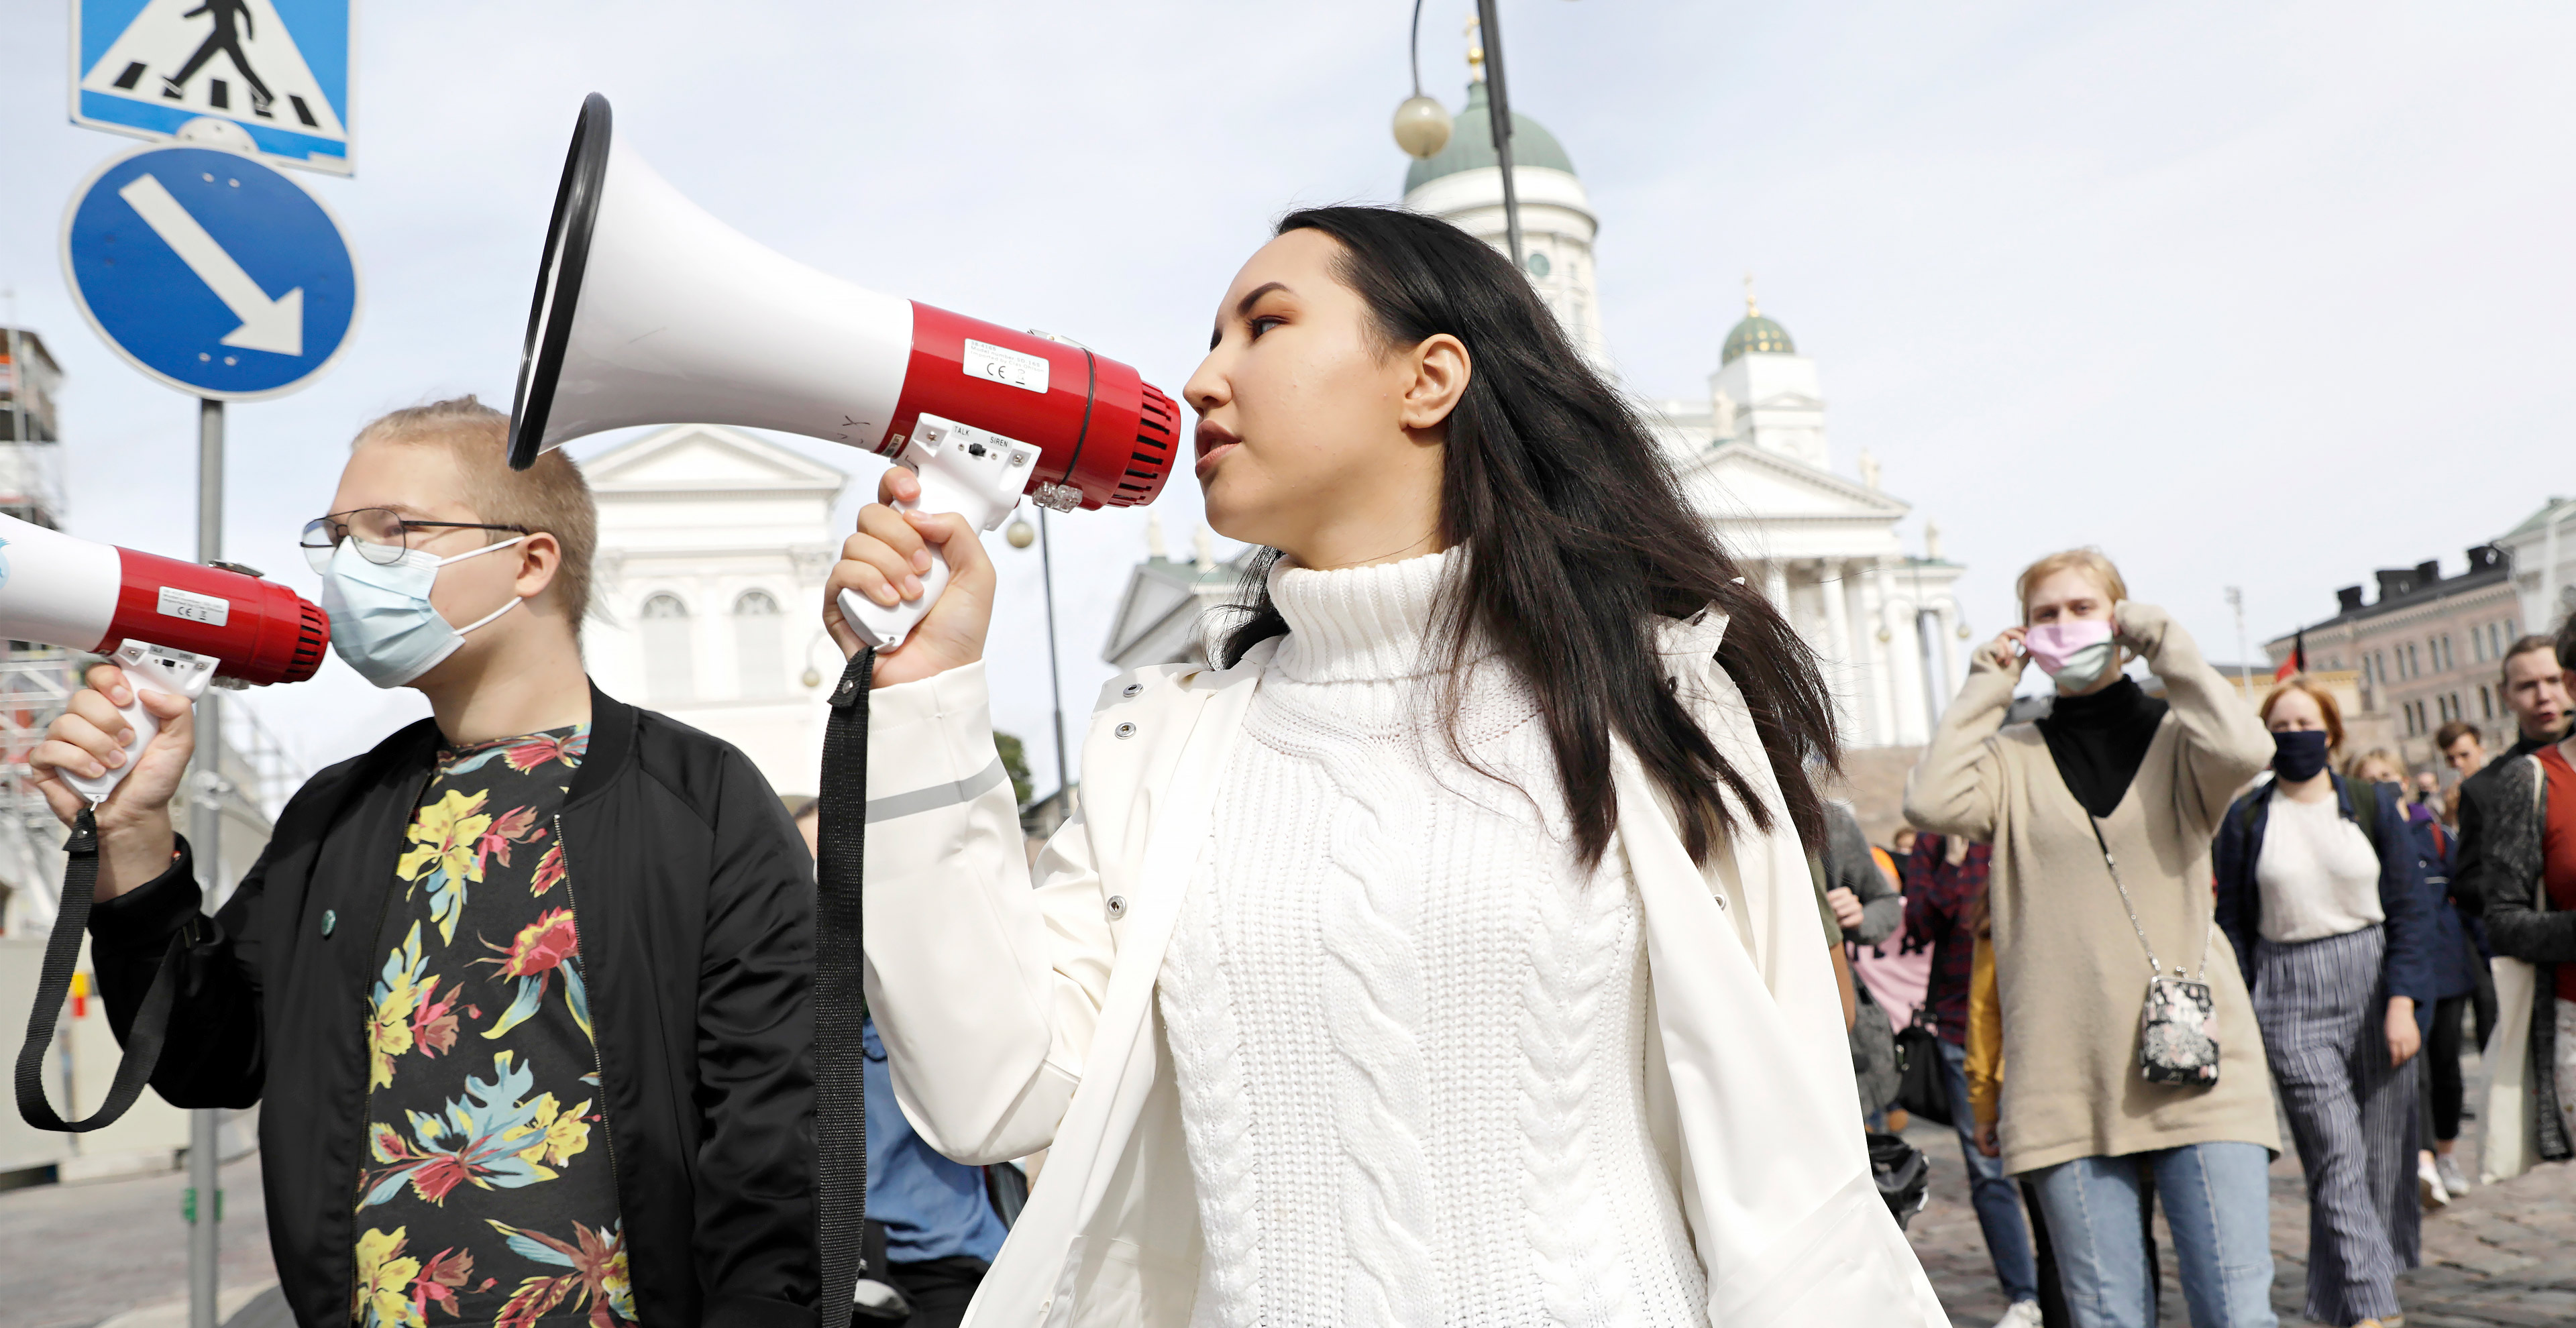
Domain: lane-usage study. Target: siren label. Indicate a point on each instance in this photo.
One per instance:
(1003, 365)
(194, 607)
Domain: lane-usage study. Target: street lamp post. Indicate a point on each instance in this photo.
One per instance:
(1498, 107)
(1020, 537)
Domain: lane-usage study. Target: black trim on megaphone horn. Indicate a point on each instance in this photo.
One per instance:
(559, 273)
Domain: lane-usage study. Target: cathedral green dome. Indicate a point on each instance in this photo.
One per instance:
(1756, 334)
(1471, 145)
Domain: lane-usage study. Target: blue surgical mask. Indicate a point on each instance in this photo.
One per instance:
(382, 623)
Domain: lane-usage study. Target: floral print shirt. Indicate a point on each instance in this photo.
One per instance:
(485, 1197)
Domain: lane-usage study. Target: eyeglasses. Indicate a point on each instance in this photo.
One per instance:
(382, 536)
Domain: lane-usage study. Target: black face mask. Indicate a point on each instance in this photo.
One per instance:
(2299, 754)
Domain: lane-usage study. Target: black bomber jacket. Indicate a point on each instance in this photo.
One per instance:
(696, 901)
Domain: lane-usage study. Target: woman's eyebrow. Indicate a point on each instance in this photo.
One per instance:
(1243, 307)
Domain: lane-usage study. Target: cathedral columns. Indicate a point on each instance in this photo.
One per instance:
(1905, 653)
(1829, 582)
(1775, 583)
(1873, 617)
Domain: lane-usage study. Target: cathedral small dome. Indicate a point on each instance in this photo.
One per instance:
(1471, 145)
(1756, 334)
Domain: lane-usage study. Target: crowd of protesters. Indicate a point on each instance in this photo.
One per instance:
(1441, 950)
(2145, 928)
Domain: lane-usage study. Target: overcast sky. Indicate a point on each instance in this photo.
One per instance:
(2258, 296)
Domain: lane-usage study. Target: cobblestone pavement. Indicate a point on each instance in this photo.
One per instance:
(2501, 1255)
(72, 1255)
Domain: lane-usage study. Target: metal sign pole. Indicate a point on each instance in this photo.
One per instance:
(205, 833)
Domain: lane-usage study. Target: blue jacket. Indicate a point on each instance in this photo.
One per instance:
(2450, 968)
(2403, 897)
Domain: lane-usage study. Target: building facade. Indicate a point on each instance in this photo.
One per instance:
(2424, 650)
(713, 549)
(2542, 550)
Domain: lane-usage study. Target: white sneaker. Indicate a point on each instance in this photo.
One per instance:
(2023, 1314)
(2449, 1171)
(2428, 1183)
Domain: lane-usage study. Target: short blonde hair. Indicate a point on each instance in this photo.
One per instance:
(550, 496)
(2088, 560)
(2352, 768)
(2326, 707)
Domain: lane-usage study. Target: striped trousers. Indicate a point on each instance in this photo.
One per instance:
(2323, 1005)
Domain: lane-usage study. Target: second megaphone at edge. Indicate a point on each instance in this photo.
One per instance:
(649, 310)
(172, 626)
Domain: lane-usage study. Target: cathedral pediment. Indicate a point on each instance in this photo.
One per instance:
(1739, 481)
(703, 457)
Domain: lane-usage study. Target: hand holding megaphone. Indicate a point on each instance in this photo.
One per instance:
(96, 744)
(901, 560)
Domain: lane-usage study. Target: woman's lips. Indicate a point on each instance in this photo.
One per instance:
(1213, 442)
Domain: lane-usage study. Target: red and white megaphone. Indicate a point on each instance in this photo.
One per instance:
(650, 311)
(172, 626)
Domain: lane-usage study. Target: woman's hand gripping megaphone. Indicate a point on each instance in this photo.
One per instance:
(887, 563)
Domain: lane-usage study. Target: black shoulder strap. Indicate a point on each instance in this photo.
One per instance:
(54, 984)
(840, 1001)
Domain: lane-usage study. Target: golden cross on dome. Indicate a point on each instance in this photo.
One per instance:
(1475, 49)
(1751, 310)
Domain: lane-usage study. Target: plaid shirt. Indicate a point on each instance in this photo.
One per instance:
(1939, 899)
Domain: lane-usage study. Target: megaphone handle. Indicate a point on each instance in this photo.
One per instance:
(148, 668)
(983, 509)
(885, 628)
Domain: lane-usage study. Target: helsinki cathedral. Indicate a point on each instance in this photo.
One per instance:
(1751, 453)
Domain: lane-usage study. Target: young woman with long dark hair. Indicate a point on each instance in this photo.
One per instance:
(1442, 951)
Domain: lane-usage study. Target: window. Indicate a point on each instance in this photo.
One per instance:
(670, 674)
(2486, 702)
(759, 645)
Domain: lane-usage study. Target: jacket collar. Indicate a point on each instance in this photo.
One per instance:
(612, 744)
(411, 749)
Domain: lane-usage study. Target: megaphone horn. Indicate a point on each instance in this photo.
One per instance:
(650, 311)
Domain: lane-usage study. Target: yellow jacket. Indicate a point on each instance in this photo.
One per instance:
(1985, 1063)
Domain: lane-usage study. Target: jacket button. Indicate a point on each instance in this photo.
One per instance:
(1125, 730)
(1117, 907)
(330, 919)
(1131, 689)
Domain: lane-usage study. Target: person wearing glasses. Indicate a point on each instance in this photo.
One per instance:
(523, 991)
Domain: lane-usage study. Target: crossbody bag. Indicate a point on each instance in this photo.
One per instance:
(2178, 1027)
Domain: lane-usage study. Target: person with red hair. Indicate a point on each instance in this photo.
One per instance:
(2321, 893)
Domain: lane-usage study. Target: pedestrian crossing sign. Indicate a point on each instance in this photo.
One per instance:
(277, 69)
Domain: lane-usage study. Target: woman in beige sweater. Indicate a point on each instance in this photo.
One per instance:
(2113, 780)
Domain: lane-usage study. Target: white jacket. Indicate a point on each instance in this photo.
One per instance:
(1017, 1019)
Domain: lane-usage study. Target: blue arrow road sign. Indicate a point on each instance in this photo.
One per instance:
(210, 272)
(279, 69)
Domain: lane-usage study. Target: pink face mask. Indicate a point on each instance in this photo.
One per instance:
(2082, 645)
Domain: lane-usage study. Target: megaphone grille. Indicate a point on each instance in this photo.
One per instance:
(312, 636)
(1158, 433)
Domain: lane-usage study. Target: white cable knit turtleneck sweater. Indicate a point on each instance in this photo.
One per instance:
(1409, 1028)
